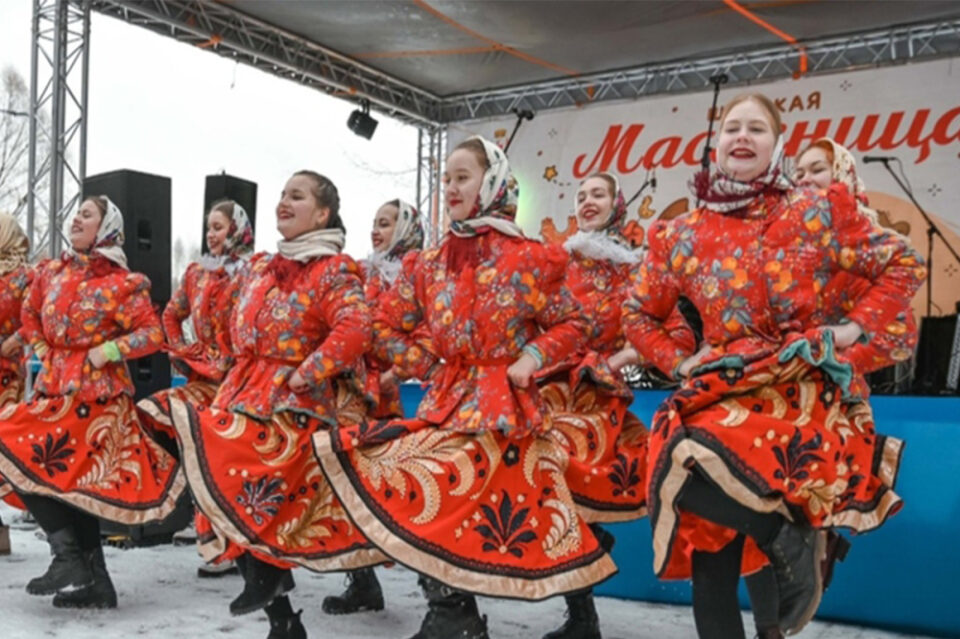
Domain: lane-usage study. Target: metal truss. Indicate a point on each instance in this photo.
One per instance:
(888, 46)
(58, 109)
(240, 37)
(58, 101)
(235, 35)
(431, 148)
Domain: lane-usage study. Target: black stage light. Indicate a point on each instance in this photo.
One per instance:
(360, 121)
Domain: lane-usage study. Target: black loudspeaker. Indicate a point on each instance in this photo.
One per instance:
(144, 200)
(237, 189)
(934, 354)
(892, 380)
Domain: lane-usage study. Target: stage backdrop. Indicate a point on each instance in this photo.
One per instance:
(910, 111)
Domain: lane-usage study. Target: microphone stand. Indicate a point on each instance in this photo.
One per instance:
(522, 114)
(932, 230)
(716, 80)
(647, 181)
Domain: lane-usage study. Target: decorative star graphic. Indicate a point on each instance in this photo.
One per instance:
(550, 173)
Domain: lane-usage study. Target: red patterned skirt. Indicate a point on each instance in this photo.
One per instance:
(261, 490)
(93, 455)
(478, 511)
(588, 415)
(11, 393)
(775, 436)
(155, 410)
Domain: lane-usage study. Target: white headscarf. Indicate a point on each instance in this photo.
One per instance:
(109, 239)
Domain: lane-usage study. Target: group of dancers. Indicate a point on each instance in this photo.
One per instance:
(290, 437)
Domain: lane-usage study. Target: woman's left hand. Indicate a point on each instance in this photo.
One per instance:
(11, 347)
(845, 335)
(521, 371)
(97, 358)
(296, 382)
(627, 356)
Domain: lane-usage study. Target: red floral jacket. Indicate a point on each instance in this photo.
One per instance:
(461, 331)
(293, 316)
(207, 297)
(13, 289)
(76, 303)
(759, 273)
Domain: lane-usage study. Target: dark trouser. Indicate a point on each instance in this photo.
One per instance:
(53, 515)
(764, 599)
(716, 575)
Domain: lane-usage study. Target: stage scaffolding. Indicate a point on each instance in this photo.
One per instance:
(61, 33)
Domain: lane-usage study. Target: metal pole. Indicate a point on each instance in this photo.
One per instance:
(435, 175)
(84, 80)
(32, 162)
(57, 151)
(420, 170)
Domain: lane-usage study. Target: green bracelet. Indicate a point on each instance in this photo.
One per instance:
(111, 351)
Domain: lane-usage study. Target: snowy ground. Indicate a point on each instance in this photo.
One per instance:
(160, 596)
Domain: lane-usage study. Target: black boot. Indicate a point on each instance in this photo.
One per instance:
(263, 583)
(99, 594)
(837, 548)
(451, 614)
(70, 568)
(604, 537)
(796, 552)
(363, 593)
(770, 633)
(582, 621)
(284, 623)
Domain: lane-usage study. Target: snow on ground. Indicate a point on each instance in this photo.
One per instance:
(160, 596)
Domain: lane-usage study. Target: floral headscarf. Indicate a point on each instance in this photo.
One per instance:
(723, 193)
(844, 171)
(14, 245)
(408, 236)
(496, 206)
(238, 245)
(109, 239)
(610, 241)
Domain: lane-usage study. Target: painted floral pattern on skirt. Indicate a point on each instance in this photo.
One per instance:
(587, 403)
(91, 455)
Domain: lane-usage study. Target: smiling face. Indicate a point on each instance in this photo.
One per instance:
(462, 180)
(594, 203)
(84, 227)
(814, 168)
(384, 225)
(746, 142)
(298, 211)
(218, 226)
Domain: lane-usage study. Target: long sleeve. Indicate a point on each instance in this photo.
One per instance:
(881, 256)
(31, 329)
(177, 310)
(139, 322)
(400, 337)
(558, 313)
(651, 303)
(346, 313)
